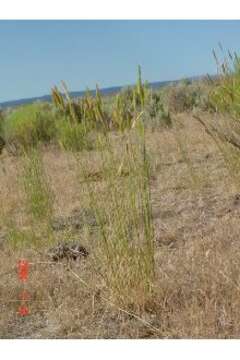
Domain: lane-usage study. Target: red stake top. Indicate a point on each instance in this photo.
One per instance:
(23, 267)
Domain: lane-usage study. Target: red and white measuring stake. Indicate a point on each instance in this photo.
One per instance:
(23, 271)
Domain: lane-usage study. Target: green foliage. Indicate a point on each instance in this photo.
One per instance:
(38, 193)
(90, 111)
(87, 110)
(28, 125)
(73, 137)
(156, 113)
(225, 95)
(72, 122)
(129, 104)
(1, 123)
(123, 111)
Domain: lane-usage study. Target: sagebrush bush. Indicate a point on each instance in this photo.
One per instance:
(156, 113)
(180, 99)
(187, 97)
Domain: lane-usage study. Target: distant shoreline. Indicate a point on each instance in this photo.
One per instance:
(104, 91)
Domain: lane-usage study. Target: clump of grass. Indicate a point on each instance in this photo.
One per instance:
(79, 119)
(88, 110)
(124, 255)
(225, 98)
(71, 122)
(38, 193)
(129, 104)
(73, 137)
(91, 111)
(225, 95)
(39, 203)
(33, 229)
(122, 115)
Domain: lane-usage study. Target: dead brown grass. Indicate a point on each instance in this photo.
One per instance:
(197, 285)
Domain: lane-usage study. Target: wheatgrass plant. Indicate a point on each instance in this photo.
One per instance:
(33, 227)
(225, 95)
(39, 197)
(124, 255)
(129, 104)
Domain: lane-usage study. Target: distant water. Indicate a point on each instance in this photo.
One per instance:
(106, 91)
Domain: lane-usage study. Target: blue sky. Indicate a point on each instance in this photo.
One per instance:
(35, 55)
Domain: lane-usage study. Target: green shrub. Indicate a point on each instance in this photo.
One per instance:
(30, 124)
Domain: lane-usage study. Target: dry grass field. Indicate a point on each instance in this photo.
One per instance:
(195, 200)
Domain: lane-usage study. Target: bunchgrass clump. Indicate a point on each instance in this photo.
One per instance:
(225, 99)
(38, 193)
(73, 137)
(225, 95)
(124, 254)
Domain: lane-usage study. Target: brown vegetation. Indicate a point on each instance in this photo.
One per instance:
(196, 206)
